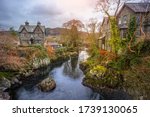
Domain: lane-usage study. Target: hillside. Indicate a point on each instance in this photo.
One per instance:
(58, 31)
(54, 31)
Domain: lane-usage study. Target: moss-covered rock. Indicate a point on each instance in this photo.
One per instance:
(101, 76)
(47, 84)
(98, 71)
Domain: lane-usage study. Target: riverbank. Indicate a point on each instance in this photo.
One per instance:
(23, 62)
(125, 77)
(68, 78)
(108, 86)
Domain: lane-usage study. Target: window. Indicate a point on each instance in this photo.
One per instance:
(119, 21)
(41, 35)
(138, 19)
(103, 43)
(22, 35)
(36, 35)
(26, 35)
(124, 33)
(125, 19)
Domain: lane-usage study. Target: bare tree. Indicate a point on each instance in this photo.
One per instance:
(74, 22)
(110, 7)
(73, 26)
(92, 29)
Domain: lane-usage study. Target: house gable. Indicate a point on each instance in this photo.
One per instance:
(124, 7)
(125, 11)
(24, 31)
(38, 30)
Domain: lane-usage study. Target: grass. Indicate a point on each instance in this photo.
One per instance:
(7, 75)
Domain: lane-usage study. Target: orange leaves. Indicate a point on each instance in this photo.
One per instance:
(103, 52)
(50, 51)
(107, 55)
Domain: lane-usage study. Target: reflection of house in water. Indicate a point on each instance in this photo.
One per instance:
(71, 68)
(31, 34)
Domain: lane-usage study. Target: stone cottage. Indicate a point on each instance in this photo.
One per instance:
(124, 15)
(137, 10)
(31, 34)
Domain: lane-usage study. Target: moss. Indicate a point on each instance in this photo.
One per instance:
(98, 71)
(7, 75)
(101, 76)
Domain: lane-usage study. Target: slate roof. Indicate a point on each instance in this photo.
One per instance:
(31, 28)
(138, 7)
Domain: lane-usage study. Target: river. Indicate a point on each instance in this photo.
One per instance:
(68, 78)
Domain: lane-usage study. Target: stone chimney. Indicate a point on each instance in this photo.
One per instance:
(27, 23)
(39, 23)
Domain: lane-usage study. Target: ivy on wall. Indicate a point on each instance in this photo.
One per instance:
(115, 41)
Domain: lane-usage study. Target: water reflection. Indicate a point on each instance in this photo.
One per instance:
(68, 78)
(71, 68)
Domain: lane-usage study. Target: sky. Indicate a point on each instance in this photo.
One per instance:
(51, 13)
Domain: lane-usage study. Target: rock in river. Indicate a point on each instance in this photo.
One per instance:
(47, 84)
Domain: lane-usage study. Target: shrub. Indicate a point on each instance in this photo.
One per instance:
(104, 77)
(98, 71)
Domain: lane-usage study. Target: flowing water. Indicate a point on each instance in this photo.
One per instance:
(68, 78)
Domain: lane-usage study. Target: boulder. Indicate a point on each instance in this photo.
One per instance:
(47, 84)
(4, 96)
(4, 84)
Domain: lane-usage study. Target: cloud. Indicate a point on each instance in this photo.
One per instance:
(12, 12)
(45, 10)
(4, 14)
(52, 13)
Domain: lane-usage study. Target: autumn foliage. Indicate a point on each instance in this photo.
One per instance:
(103, 52)
(108, 55)
(9, 58)
(50, 51)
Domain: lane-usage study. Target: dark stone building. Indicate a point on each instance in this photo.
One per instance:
(136, 10)
(31, 34)
(128, 10)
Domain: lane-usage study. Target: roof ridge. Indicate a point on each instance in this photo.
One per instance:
(137, 7)
(137, 3)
